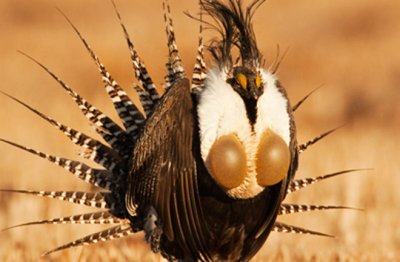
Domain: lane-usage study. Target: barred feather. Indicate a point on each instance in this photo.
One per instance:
(295, 208)
(284, 228)
(108, 234)
(298, 184)
(114, 135)
(90, 199)
(169, 78)
(97, 177)
(101, 218)
(116, 158)
(304, 146)
(145, 100)
(174, 66)
(92, 148)
(199, 71)
(129, 114)
(139, 67)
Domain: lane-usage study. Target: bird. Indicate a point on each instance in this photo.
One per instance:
(205, 168)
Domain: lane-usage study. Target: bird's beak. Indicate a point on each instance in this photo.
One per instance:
(254, 92)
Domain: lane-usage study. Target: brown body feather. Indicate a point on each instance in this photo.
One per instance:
(156, 179)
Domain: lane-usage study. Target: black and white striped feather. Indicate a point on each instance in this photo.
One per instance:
(128, 147)
(200, 68)
(100, 217)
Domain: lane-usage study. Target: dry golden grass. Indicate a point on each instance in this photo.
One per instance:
(351, 46)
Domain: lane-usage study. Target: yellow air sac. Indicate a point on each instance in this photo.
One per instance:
(272, 159)
(227, 162)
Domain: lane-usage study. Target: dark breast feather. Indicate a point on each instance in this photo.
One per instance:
(239, 228)
(244, 224)
(163, 174)
(168, 174)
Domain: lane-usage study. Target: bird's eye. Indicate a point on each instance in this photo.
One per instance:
(258, 81)
(242, 80)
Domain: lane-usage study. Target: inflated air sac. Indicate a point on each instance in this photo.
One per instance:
(272, 159)
(226, 162)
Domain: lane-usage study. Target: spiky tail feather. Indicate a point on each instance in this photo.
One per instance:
(97, 200)
(113, 134)
(121, 142)
(200, 69)
(105, 235)
(175, 69)
(284, 228)
(92, 148)
(113, 158)
(311, 142)
(298, 184)
(100, 218)
(296, 208)
(299, 103)
(139, 67)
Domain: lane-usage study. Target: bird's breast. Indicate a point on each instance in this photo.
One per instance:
(245, 168)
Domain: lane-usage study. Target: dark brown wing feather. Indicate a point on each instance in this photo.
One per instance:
(163, 172)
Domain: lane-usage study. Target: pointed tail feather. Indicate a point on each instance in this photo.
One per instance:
(101, 218)
(284, 228)
(298, 184)
(97, 177)
(90, 199)
(174, 66)
(114, 135)
(311, 142)
(129, 114)
(299, 103)
(200, 70)
(106, 235)
(94, 149)
(169, 78)
(295, 208)
(139, 67)
(145, 100)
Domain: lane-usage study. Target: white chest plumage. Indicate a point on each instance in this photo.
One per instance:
(221, 112)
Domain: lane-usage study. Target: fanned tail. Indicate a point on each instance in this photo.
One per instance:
(116, 154)
(113, 134)
(92, 148)
(129, 114)
(114, 157)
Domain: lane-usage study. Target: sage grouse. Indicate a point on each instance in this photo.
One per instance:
(203, 170)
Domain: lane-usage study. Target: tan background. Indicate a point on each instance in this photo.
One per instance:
(352, 47)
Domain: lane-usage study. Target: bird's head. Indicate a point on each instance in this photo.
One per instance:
(245, 121)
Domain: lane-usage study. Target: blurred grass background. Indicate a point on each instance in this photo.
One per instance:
(351, 47)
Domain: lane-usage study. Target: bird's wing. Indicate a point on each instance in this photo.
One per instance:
(164, 174)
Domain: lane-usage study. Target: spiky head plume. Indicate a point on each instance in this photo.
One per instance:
(234, 24)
